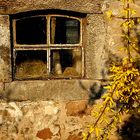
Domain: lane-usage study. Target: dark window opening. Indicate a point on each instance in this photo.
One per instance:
(65, 30)
(31, 30)
(30, 64)
(47, 46)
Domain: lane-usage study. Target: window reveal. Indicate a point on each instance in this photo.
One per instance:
(47, 47)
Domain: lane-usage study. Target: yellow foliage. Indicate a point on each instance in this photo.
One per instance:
(123, 91)
(109, 14)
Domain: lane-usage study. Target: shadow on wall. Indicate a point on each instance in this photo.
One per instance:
(94, 92)
(6, 95)
(131, 128)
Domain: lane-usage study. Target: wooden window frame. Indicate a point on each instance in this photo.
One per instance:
(49, 46)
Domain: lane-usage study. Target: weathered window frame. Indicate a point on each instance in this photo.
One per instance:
(49, 46)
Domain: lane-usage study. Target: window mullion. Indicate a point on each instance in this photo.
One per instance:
(48, 42)
(14, 32)
(48, 29)
(14, 62)
(48, 61)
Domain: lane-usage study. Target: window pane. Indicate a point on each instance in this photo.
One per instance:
(66, 63)
(31, 64)
(65, 30)
(31, 30)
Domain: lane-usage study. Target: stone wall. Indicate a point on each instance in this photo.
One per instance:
(57, 109)
(95, 55)
(43, 120)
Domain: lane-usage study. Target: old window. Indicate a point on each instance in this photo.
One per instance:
(48, 46)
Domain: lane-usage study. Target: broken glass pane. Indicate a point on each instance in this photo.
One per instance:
(66, 63)
(65, 30)
(31, 30)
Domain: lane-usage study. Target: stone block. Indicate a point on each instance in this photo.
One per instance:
(74, 137)
(44, 134)
(46, 90)
(76, 108)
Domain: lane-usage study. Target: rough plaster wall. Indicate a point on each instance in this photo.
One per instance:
(5, 53)
(15, 6)
(96, 55)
